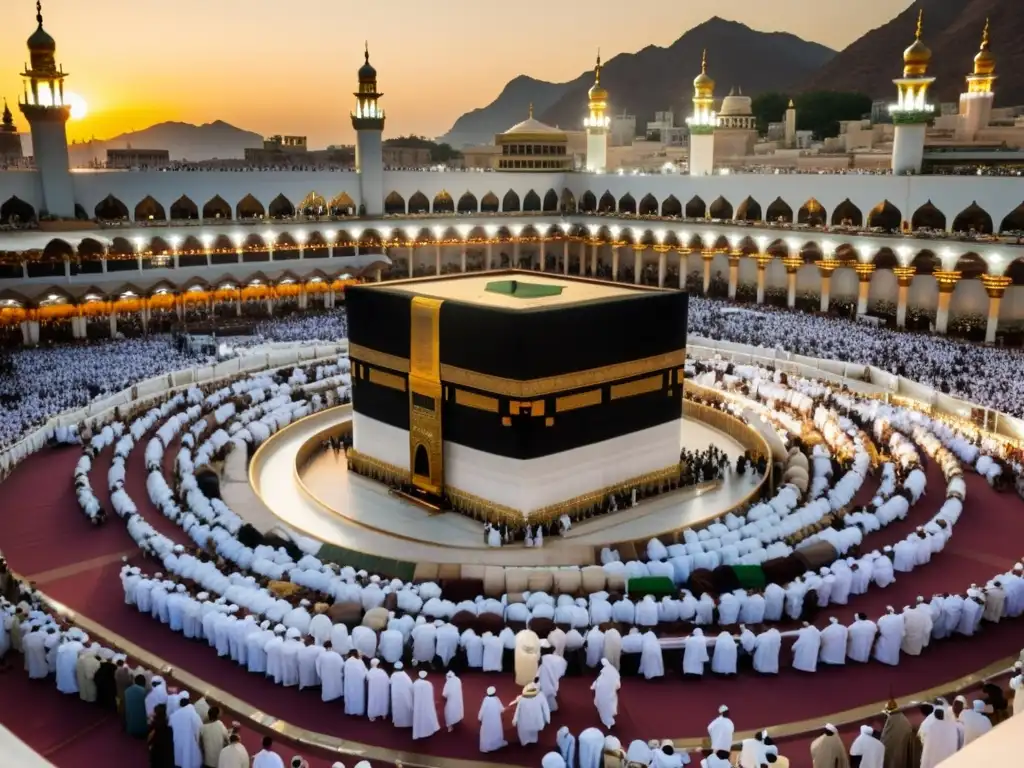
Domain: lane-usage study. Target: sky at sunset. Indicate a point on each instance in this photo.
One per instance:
(289, 68)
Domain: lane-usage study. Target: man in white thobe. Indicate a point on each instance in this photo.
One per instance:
(492, 730)
(652, 664)
(566, 745)
(767, 646)
(354, 673)
(531, 716)
(917, 628)
(869, 748)
(454, 710)
(833, 643)
(527, 656)
(591, 743)
(974, 721)
(185, 725)
(329, 666)
(890, 637)
(67, 659)
(424, 710)
(695, 653)
(378, 691)
(267, 757)
(861, 638)
(606, 693)
(806, 648)
(493, 652)
(939, 737)
(308, 655)
(401, 697)
(424, 639)
(273, 650)
(721, 730)
(552, 669)
(725, 655)
(33, 646)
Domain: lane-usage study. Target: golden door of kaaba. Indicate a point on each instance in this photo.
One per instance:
(426, 454)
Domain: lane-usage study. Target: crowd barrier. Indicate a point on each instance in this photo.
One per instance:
(865, 379)
(265, 357)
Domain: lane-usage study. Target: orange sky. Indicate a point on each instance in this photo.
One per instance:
(274, 67)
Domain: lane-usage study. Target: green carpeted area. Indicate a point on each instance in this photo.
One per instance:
(396, 569)
(522, 290)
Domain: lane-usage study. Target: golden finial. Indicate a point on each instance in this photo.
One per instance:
(597, 68)
(531, 110)
(704, 62)
(984, 36)
(920, 23)
(984, 61)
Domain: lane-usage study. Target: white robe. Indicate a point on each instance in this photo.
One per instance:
(724, 656)
(860, 639)
(401, 700)
(454, 710)
(940, 739)
(833, 644)
(652, 664)
(424, 711)
(532, 714)
(186, 724)
(67, 660)
(917, 630)
(378, 693)
(493, 651)
(265, 759)
(552, 669)
(329, 666)
(695, 653)
(766, 652)
(721, 731)
(890, 638)
(355, 686)
(606, 695)
(33, 646)
(492, 731)
(805, 649)
(975, 725)
(870, 750)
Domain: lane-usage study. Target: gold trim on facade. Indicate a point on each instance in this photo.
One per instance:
(637, 387)
(529, 388)
(385, 379)
(578, 400)
(475, 400)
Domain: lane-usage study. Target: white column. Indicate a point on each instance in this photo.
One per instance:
(462, 258)
(437, 258)
(565, 256)
(662, 251)
(638, 263)
(864, 272)
(734, 274)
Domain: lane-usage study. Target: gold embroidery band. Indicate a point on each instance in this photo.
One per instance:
(475, 400)
(385, 379)
(578, 400)
(637, 387)
(382, 359)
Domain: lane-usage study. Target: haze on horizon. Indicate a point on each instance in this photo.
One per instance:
(196, 61)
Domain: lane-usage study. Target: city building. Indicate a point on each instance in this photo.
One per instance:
(137, 158)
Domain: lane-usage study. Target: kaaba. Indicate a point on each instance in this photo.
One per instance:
(512, 393)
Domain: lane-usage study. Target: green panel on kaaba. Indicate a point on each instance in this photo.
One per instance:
(523, 290)
(751, 577)
(655, 586)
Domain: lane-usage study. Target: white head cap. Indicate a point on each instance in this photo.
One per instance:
(399, 666)
(831, 729)
(979, 705)
(492, 691)
(280, 629)
(374, 662)
(867, 730)
(723, 709)
(264, 625)
(423, 675)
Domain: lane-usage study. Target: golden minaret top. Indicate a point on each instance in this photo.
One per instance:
(703, 85)
(918, 56)
(984, 61)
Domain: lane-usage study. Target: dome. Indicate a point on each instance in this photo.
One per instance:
(597, 93)
(703, 85)
(532, 126)
(984, 61)
(736, 105)
(40, 41)
(918, 55)
(366, 72)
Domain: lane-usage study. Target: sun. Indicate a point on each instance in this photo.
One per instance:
(79, 108)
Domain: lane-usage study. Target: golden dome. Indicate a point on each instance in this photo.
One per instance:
(984, 61)
(702, 83)
(918, 56)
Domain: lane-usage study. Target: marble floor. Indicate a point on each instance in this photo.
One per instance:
(330, 504)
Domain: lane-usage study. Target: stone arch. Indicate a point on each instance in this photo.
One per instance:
(1015, 271)
(648, 205)
(16, 210)
(149, 209)
(885, 216)
(812, 213)
(671, 208)
(511, 202)
(443, 203)
(720, 209)
(925, 262)
(419, 203)
(216, 208)
(249, 208)
(971, 266)
(90, 249)
(531, 202)
(119, 246)
(1014, 220)
(468, 203)
(588, 203)
(778, 210)
(885, 259)
(568, 200)
(489, 203)
(394, 204)
(184, 209)
(748, 210)
(607, 203)
(627, 204)
(696, 208)
(928, 217)
(846, 214)
(973, 218)
(111, 208)
(281, 208)
(341, 205)
(550, 204)
(58, 250)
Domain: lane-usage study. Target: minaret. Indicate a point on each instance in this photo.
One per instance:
(791, 125)
(47, 114)
(912, 112)
(702, 123)
(368, 120)
(597, 123)
(976, 102)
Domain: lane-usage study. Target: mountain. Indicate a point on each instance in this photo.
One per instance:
(655, 79)
(512, 105)
(216, 140)
(952, 29)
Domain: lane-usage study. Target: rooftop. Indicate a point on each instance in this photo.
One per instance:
(532, 291)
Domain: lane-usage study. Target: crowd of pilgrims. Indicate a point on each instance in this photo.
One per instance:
(288, 616)
(988, 376)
